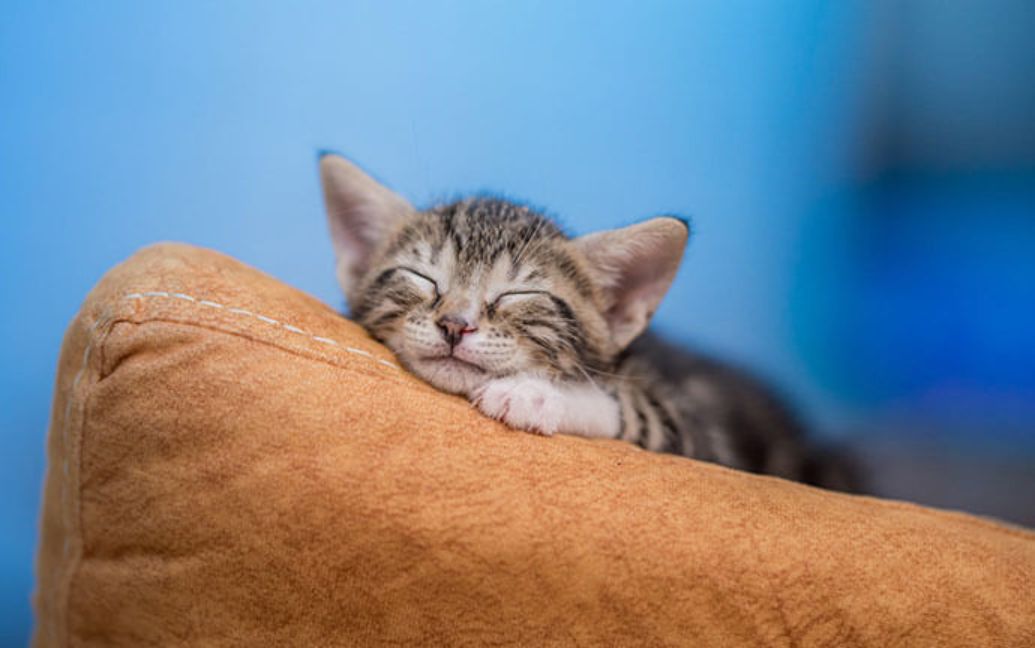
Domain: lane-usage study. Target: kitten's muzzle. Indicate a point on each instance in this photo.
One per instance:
(453, 328)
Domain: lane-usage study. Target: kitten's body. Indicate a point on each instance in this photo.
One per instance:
(729, 417)
(489, 299)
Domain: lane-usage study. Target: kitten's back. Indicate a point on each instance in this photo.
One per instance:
(765, 435)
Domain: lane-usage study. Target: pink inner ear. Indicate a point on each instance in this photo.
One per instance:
(636, 264)
(631, 311)
(356, 235)
(351, 232)
(361, 213)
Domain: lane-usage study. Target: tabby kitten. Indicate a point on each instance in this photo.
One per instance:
(490, 300)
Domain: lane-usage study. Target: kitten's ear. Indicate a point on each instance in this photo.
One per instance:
(635, 266)
(361, 213)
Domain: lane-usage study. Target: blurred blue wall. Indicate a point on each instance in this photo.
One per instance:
(773, 125)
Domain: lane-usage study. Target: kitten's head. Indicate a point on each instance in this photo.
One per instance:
(484, 288)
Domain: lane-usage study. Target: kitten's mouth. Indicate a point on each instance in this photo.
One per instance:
(453, 361)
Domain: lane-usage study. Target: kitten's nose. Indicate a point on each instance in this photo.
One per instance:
(453, 328)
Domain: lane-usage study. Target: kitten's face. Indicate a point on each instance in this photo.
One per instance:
(484, 288)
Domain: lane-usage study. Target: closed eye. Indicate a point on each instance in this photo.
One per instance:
(424, 282)
(515, 296)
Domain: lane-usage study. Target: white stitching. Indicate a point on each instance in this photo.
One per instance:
(361, 352)
(261, 318)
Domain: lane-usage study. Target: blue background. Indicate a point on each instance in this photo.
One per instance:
(861, 177)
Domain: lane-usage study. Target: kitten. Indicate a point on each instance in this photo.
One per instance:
(490, 300)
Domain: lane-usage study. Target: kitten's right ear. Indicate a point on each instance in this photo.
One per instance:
(361, 212)
(634, 267)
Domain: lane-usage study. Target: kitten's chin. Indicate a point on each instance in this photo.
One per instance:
(449, 374)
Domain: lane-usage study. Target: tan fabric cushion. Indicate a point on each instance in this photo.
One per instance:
(232, 463)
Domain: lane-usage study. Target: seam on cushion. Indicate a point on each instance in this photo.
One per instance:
(307, 353)
(397, 374)
(262, 318)
(71, 511)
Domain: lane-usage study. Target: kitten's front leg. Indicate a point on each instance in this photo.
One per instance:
(539, 405)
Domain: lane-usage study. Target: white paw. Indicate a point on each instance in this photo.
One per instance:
(531, 404)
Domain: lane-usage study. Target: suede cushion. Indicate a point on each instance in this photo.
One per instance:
(233, 463)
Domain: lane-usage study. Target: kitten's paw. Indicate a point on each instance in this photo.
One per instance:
(529, 404)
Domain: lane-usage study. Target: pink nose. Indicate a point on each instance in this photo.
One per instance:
(453, 328)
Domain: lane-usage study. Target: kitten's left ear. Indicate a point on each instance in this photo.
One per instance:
(635, 266)
(361, 212)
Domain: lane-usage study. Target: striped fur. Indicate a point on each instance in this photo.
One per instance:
(491, 300)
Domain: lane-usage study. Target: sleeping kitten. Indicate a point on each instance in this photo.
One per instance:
(490, 300)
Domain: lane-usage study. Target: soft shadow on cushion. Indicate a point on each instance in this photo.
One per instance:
(232, 463)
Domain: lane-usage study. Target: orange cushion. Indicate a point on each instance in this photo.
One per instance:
(231, 462)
